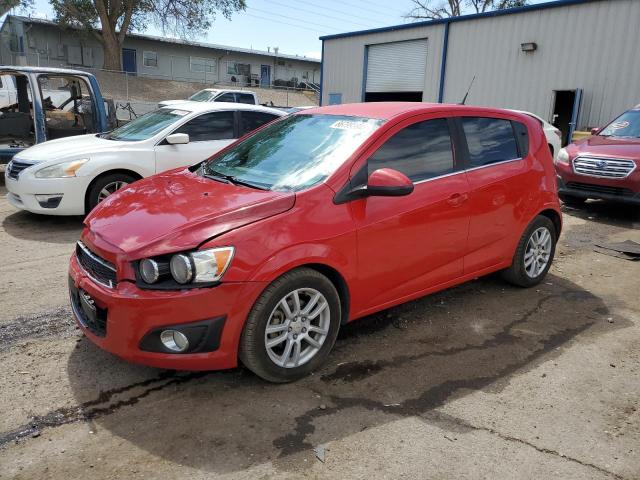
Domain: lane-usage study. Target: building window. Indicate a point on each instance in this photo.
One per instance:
(235, 68)
(200, 64)
(150, 59)
(335, 98)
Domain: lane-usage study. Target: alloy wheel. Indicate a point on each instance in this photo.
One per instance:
(537, 252)
(110, 188)
(297, 328)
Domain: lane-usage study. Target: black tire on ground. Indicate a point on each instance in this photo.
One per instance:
(253, 352)
(516, 273)
(93, 197)
(572, 201)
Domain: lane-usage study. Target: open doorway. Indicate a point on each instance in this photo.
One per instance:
(393, 97)
(566, 107)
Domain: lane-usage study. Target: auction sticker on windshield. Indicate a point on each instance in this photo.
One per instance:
(180, 113)
(349, 125)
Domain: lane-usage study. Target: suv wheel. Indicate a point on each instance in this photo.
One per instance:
(534, 254)
(105, 186)
(292, 326)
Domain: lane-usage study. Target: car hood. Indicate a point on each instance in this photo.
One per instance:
(69, 148)
(618, 147)
(178, 210)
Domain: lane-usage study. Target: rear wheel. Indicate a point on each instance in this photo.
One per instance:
(534, 254)
(292, 326)
(572, 201)
(105, 186)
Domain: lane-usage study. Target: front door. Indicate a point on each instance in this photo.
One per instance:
(566, 107)
(265, 75)
(129, 64)
(409, 244)
(208, 134)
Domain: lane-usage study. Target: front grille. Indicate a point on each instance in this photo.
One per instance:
(96, 267)
(92, 317)
(621, 192)
(16, 166)
(603, 167)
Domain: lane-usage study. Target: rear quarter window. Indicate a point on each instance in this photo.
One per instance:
(490, 140)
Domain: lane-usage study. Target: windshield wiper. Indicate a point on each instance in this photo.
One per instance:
(221, 177)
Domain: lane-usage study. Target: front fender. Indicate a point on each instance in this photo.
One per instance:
(299, 255)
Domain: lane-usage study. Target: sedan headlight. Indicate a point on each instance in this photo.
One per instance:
(563, 156)
(199, 267)
(61, 170)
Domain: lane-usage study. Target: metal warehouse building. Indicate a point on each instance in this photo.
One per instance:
(575, 63)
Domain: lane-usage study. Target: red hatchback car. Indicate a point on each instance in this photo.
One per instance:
(603, 166)
(261, 252)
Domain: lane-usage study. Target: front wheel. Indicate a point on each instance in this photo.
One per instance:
(292, 326)
(534, 254)
(105, 186)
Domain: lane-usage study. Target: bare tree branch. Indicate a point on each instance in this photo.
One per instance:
(437, 9)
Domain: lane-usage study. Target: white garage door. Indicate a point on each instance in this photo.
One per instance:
(397, 66)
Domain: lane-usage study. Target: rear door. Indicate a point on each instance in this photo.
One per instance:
(250, 121)
(208, 133)
(408, 244)
(497, 172)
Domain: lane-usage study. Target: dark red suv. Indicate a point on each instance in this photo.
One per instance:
(603, 166)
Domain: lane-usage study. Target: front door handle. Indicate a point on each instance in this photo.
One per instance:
(457, 199)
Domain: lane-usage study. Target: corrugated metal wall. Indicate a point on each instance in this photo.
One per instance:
(343, 62)
(594, 46)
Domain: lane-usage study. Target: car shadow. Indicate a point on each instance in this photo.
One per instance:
(606, 213)
(43, 228)
(401, 362)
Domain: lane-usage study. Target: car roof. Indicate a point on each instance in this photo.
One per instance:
(201, 107)
(388, 110)
(226, 90)
(61, 71)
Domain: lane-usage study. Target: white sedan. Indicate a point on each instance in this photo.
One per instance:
(552, 134)
(72, 175)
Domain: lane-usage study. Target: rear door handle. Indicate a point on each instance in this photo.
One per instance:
(457, 199)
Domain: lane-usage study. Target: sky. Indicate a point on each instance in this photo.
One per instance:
(291, 25)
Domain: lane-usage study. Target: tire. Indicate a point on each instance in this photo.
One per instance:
(269, 311)
(525, 275)
(105, 181)
(572, 201)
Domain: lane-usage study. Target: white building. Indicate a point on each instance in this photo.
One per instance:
(573, 62)
(38, 42)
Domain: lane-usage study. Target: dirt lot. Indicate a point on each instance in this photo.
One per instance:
(481, 381)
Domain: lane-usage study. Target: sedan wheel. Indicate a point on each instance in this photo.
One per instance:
(109, 189)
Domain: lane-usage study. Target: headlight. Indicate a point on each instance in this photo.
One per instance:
(202, 266)
(61, 170)
(563, 156)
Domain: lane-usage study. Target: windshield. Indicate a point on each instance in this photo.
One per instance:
(147, 125)
(202, 96)
(293, 153)
(626, 125)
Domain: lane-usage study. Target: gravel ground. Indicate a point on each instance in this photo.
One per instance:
(480, 381)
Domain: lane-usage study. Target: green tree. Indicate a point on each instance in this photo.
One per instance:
(6, 5)
(436, 9)
(109, 21)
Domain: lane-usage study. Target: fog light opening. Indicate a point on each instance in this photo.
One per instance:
(174, 340)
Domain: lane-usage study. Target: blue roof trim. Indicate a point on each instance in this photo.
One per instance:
(473, 16)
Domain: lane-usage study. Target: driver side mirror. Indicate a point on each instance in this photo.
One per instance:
(595, 131)
(384, 182)
(387, 182)
(177, 139)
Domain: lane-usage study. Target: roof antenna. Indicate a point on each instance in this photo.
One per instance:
(464, 99)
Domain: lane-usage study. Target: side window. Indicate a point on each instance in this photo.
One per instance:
(226, 97)
(209, 126)
(252, 120)
(522, 136)
(489, 140)
(245, 98)
(420, 151)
